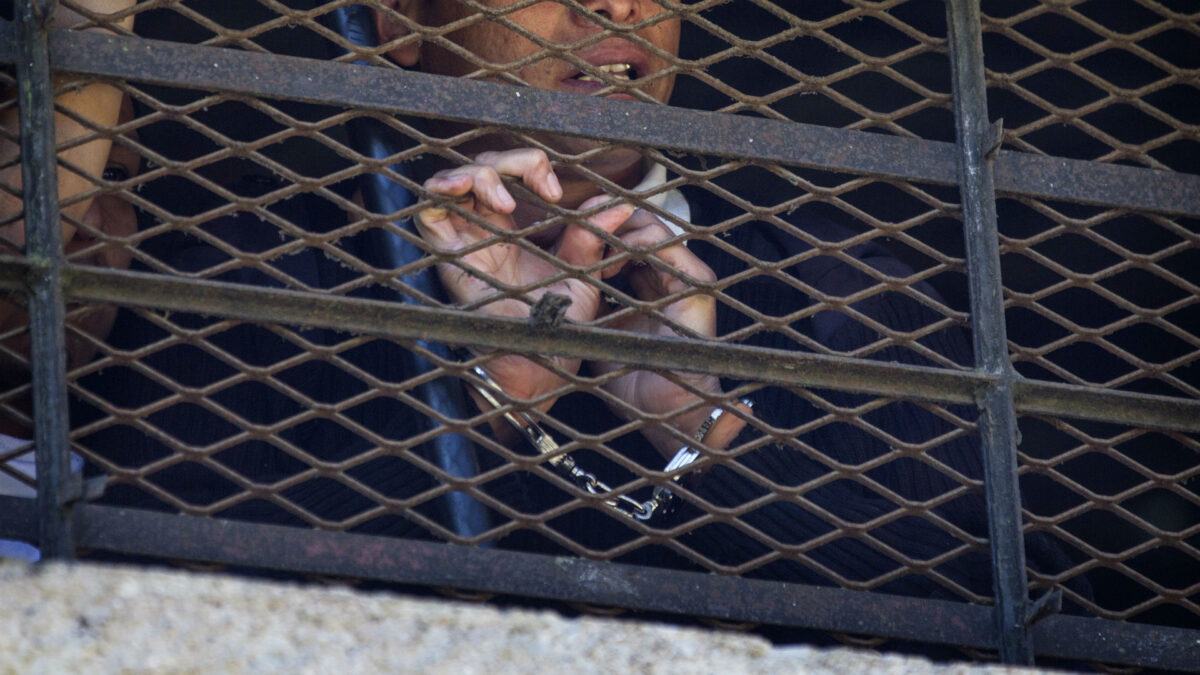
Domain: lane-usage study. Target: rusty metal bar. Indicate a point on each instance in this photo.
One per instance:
(998, 417)
(1052, 399)
(1077, 180)
(572, 579)
(1098, 640)
(784, 368)
(373, 317)
(983, 171)
(525, 108)
(530, 575)
(44, 249)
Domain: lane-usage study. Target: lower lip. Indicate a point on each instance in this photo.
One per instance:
(590, 88)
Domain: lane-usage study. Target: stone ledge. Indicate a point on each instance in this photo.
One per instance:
(85, 618)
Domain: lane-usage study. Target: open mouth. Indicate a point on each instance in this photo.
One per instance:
(621, 72)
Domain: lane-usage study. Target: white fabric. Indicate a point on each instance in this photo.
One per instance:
(671, 201)
(25, 464)
(10, 486)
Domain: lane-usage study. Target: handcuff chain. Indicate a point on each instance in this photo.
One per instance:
(566, 466)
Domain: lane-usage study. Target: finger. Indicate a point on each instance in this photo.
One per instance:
(654, 280)
(636, 221)
(482, 178)
(436, 227)
(482, 182)
(579, 245)
(531, 165)
(650, 229)
(644, 230)
(642, 218)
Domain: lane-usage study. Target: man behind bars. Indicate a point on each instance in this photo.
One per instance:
(785, 521)
(790, 521)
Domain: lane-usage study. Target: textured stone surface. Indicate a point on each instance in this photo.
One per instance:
(93, 619)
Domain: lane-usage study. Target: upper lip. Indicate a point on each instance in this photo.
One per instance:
(612, 51)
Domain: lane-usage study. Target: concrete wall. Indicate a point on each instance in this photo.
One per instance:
(81, 618)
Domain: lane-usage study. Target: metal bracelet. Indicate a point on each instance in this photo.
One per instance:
(687, 455)
(566, 466)
(712, 418)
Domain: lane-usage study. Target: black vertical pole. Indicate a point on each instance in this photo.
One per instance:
(453, 453)
(997, 419)
(44, 249)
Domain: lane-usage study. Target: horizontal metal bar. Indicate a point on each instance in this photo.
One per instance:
(1076, 180)
(412, 93)
(1076, 637)
(769, 366)
(1052, 399)
(573, 579)
(530, 575)
(526, 108)
(373, 317)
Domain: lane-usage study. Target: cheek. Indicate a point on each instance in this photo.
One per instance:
(667, 36)
(544, 74)
(118, 220)
(98, 323)
(490, 42)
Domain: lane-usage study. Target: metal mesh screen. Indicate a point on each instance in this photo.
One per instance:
(1104, 297)
(276, 383)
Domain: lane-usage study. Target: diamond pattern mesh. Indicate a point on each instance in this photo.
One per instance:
(314, 426)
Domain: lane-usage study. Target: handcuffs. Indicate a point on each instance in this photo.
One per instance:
(660, 500)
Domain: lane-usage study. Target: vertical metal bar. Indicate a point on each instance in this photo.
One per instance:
(44, 249)
(997, 421)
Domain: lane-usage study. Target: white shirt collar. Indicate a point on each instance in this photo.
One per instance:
(671, 201)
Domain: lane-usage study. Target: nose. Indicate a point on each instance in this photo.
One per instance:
(617, 11)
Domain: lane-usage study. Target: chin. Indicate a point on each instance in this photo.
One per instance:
(613, 162)
(614, 158)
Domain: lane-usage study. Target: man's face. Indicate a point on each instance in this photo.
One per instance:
(110, 214)
(497, 44)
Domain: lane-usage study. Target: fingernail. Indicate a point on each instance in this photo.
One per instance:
(450, 178)
(432, 215)
(627, 208)
(501, 198)
(554, 188)
(593, 201)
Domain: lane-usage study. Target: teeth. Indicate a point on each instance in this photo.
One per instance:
(618, 71)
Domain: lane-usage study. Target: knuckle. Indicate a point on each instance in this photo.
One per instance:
(488, 175)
